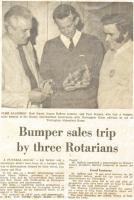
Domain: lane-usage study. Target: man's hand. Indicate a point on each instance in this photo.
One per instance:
(37, 96)
(48, 87)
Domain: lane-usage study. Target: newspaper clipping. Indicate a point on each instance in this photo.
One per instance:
(67, 124)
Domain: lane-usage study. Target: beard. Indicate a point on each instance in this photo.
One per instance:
(116, 43)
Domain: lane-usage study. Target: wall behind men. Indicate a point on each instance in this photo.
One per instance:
(90, 12)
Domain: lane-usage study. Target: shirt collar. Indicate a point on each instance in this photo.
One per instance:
(66, 41)
(119, 51)
(124, 47)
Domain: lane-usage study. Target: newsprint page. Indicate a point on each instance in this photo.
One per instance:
(67, 117)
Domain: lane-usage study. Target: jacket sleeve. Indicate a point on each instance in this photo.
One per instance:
(14, 100)
(10, 97)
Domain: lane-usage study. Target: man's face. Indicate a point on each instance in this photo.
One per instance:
(67, 26)
(20, 32)
(114, 38)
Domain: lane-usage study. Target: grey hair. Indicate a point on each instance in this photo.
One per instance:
(17, 12)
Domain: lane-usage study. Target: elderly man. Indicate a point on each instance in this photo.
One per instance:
(116, 81)
(21, 84)
(73, 61)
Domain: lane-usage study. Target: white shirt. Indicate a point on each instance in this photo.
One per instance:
(66, 40)
(15, 84)
(116, 83)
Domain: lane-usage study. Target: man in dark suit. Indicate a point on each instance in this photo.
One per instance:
(73, 61)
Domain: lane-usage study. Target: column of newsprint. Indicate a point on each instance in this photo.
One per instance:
(70, 159)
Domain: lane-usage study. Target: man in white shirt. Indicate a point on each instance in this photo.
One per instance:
(22, 85)
(68, 53)
(116, 74)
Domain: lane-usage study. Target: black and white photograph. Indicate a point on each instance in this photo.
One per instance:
(67, 54)
(67, 107)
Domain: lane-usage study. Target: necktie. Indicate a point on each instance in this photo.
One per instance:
(71, 46)
(27, 70)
